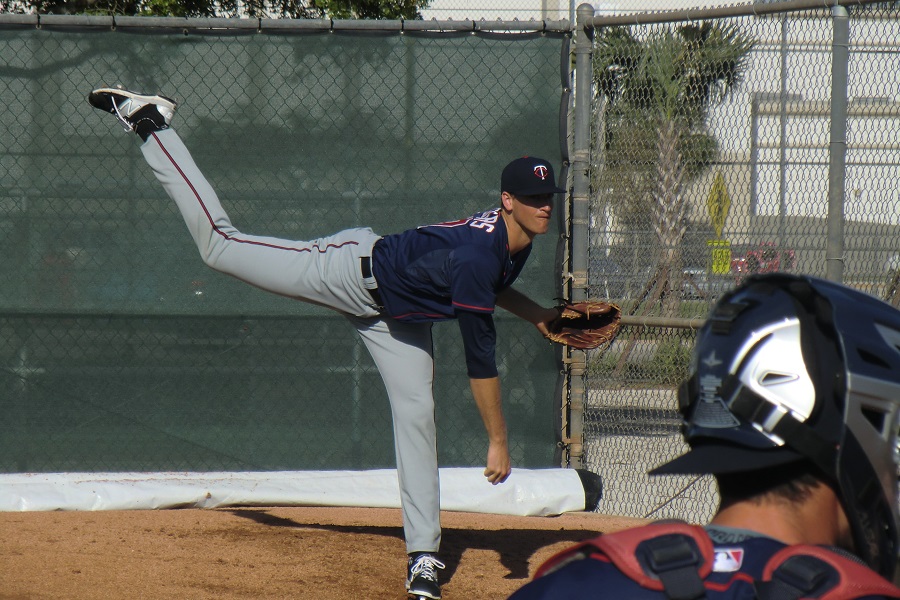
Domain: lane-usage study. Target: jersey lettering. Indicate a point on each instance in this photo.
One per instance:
(489, 227)
(486, 221)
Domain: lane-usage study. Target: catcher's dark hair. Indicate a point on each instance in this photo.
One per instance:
(793, 482)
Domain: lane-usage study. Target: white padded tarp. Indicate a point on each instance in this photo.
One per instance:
(538, 492)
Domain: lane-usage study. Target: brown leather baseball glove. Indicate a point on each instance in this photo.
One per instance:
(585, 325)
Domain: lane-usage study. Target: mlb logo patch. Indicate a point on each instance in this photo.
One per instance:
(728, 560)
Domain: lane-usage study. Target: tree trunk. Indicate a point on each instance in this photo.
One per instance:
(669, 217)
(668, 208)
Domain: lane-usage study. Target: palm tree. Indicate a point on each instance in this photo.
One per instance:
(652, 134)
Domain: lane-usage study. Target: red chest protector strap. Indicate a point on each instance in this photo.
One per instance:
(674, 558)
(816, 572)
(671, 557)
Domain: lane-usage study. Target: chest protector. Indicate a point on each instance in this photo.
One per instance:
(674, 558)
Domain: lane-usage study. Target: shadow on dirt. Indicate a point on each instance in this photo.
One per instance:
(515, 546)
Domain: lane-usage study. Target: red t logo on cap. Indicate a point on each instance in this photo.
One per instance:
(541, 171)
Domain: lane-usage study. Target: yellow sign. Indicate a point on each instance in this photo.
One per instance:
(721, 256)
(718, 203)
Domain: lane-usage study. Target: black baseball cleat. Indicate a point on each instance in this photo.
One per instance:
(136, 112)
(421, 576)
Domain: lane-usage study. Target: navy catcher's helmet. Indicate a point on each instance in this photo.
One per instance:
(790, 368)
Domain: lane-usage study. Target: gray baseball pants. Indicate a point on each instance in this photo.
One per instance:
(326, 272)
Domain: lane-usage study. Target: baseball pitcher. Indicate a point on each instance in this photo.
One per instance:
(391, 288)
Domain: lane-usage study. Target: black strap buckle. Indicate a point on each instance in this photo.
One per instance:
(675, 560)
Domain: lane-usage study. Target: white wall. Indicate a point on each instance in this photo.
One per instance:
(552, 10)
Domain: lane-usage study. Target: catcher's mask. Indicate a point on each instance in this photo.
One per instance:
(791, 368)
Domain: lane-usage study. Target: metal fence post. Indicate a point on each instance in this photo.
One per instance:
(837, 149)
(573, 436)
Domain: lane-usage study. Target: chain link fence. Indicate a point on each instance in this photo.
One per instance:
(718, 150)
(121, 351)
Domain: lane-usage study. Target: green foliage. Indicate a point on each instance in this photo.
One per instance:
(370, 9)
(73, 7)
(293, 9)
(675, 72)
(184, 8)
(668, 366)
(673, 361)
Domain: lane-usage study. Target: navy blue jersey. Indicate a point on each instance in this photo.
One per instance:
(451, 270)
(432, 272)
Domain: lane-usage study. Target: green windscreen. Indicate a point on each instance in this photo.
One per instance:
(121, 351)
